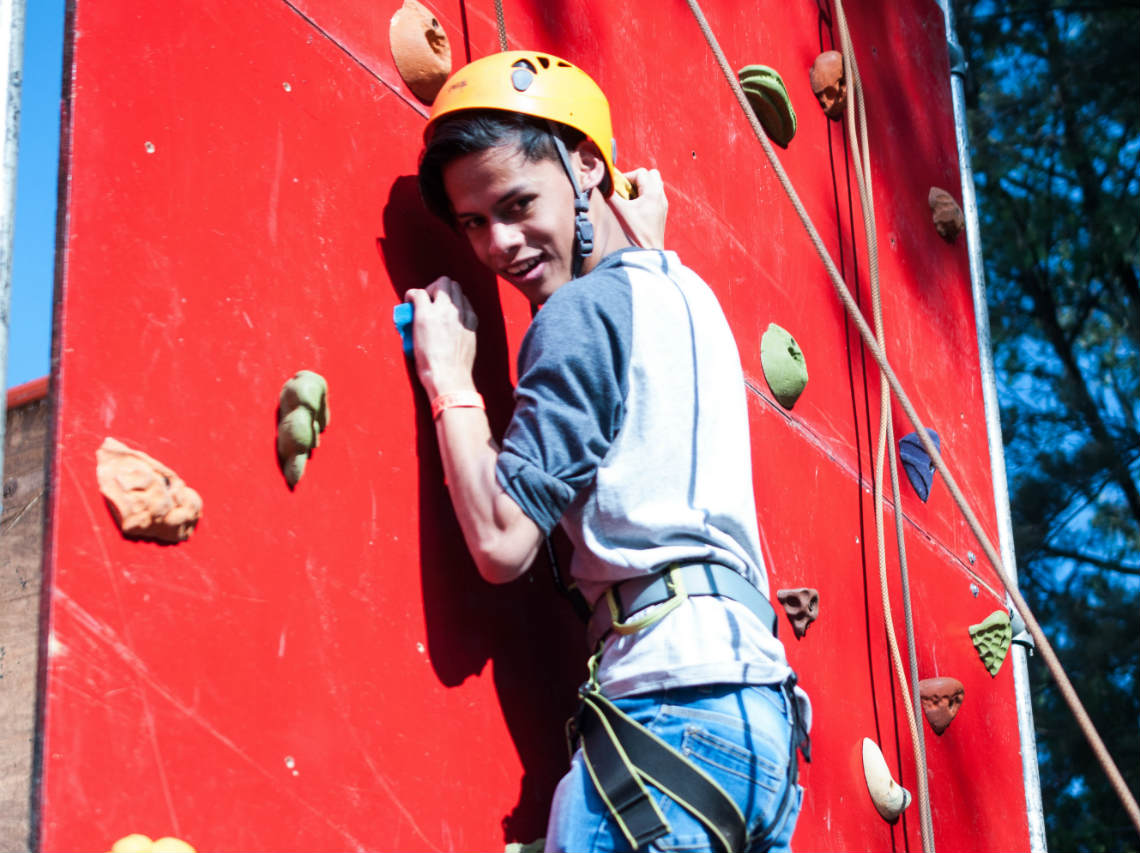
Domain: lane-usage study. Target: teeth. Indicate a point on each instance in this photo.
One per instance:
(523, 268)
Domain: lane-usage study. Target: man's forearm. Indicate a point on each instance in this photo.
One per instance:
(502, 539)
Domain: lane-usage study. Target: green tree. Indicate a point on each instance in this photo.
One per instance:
(1054, 118)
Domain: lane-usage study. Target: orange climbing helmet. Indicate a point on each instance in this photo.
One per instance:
(535, 84)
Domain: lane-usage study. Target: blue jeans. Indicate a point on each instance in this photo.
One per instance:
(739, 734)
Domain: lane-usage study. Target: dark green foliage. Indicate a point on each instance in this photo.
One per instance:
(1053, 96)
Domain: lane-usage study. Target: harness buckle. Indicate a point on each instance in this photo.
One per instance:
(676, 586)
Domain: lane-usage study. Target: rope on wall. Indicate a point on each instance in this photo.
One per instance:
(1045, 648)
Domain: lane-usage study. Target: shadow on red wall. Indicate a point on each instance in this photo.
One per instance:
(531, 638)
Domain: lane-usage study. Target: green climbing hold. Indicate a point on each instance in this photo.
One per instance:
(769, 99)
(302, 415)
(784, 366)
(991, 638)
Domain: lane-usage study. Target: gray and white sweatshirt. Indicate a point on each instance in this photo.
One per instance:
(631, 429)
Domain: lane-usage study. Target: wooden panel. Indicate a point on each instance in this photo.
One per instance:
(21, 556)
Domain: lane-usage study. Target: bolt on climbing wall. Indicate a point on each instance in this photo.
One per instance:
(312, 661)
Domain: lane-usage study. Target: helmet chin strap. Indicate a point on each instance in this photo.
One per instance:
(583, 227)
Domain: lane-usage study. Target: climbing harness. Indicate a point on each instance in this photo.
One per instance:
(869, 340)
(621, 755)
(670, 588)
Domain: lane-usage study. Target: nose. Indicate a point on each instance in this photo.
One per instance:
(505, 240)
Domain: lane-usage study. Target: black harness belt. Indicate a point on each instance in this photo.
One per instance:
(674, 584)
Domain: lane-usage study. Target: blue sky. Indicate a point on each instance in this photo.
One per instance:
(33, 255)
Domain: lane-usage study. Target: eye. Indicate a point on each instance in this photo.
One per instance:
(520, 205)
(471, 223)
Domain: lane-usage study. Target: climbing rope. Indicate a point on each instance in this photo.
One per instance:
(860, 154)
(845, 297)
(502, 24)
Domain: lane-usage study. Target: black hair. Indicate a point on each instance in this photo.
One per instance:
(472, 131)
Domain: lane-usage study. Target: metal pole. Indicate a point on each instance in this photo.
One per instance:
(12, 57)
(1034, 810)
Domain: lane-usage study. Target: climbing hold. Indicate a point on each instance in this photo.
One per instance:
(941, 699)
(769, 99)
(302, 415)
(991, 638)
(948, 218)
(138, 843)
(829, 83)
(1020, 632)
(421, 49)
(536, 846)
(802, 607)
(402, 316)
(784, 366)
(917, 463)
(890, 798)
(147, 499)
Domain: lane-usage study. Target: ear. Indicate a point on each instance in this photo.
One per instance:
(589, 165)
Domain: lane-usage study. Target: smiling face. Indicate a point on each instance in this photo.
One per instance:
(517, 214)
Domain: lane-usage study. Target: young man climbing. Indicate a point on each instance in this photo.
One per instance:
(631, 430)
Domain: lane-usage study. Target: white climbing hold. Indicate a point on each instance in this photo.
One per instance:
(890, 798)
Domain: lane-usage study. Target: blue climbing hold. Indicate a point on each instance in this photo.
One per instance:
(916, 462)
(402, 316)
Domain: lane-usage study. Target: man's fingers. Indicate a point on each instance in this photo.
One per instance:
(418, 297)
(442, 295)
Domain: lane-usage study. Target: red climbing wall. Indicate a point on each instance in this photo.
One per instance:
(323, 669)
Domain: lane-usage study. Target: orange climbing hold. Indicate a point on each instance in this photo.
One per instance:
(941, 700)
(829, 84)
(421, 49)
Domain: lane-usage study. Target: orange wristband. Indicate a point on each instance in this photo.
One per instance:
(457, 399)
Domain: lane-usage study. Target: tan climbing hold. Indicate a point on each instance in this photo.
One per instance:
(948, 219)
(941, 699)
(801, 606)
(829, 83)
(148, 500)
(420, 48)
(138, 843)
(890, 798)
(991, 638)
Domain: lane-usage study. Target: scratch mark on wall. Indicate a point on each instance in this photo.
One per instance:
(275, 186)
(726, 229)
(103, 633)
(386, 784)
(826, 451)
(159, 763)
(374, 531)
(419, 108)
